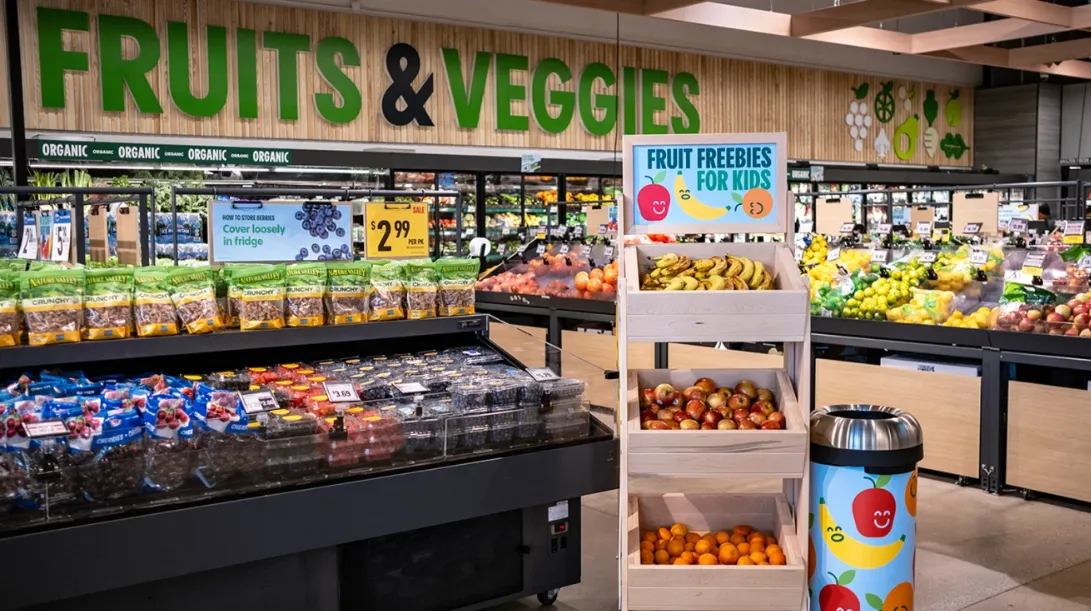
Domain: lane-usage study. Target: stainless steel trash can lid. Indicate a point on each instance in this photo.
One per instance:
(863, 435)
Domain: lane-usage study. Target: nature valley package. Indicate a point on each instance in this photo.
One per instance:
(305, 290)
(194, 298)
(421, 289)
(457, 278)
(9, 309)
(232, 294)
(387, 292)
(262, 294)
(52, 301)
(153, 309)
(347, 292)
(108, 303)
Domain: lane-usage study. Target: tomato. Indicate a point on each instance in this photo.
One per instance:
(610, 276)
(594, 285)
(581, 281)
(596, 274)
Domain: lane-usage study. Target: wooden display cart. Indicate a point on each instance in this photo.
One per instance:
(694, 477)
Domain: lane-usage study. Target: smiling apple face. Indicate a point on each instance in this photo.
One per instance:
(873, 509)
(654, 201)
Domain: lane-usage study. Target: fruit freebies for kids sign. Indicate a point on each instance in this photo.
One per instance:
(703, 181)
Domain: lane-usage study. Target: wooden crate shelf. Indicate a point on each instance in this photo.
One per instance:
(737, 316)
(681, 454)
(720, 587)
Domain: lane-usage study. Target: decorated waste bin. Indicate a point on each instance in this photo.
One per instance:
(863, 508)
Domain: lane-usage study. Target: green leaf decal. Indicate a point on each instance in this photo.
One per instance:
(861, 91)
(660, 176)
(875, 602)
(882, 481)
(736, 197)
(846, 578)
(931, 107)
(810, 521)
(953, 146)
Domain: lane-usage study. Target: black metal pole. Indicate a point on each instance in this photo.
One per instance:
(20, 170)
(147, 246)
(79, 231)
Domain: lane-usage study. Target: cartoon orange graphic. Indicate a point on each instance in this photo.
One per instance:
(757, 203)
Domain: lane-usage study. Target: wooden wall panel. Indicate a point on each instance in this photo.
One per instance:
(735, 95)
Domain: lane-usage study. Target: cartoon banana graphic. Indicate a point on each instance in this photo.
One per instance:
(691, 205)
(850, 551)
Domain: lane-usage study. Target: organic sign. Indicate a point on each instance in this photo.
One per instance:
(257, 232)
(70, 150)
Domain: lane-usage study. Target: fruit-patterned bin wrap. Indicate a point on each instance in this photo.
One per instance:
(862, 549)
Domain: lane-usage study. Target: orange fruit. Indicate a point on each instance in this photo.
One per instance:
(678, 561)
(647, 546)
(660, 545)
(758, 557)
(738, 538)
(690, 546)
(763, 563)
(752, 536)
(722, 537)
(745, 561)
(610, 276)
(692, 537)
(675, 547)
(702, 547)
(743, 530)
(728, 554)
(679, 530)
(664, 534)
(777, 559)
(744, 548)
(757, 546)
(689, 557)
(594, 285)
(647, 557)
(770, 540)
(707, 559)
(597, 274)
(648, 536)
(662, 557)
(581, 281)
(773, 549)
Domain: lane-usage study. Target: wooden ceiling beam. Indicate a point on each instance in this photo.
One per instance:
(652, 7)
(861, 13)
(1052, 53)
(926, 43)
(1028, 10)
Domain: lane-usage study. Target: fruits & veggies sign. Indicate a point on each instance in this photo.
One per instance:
(262, 232)
(734, 183)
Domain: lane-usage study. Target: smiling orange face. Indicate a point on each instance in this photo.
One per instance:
(900, 598)
(911, 494)
(757, 203)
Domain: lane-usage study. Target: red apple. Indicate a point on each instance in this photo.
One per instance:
(665, 415)
(1034, 315)
(1064, 310)
(1072, 332)
(747, 425)
(1085, 333)
(726, 425)
(1055, 319)
(740, 414)
(715, 400)
(1082, 321)
(695, 409)
(656, 425)
(766, 407)
(664, 394)
(1025, 325)
(679, 415)
(725, 391)
(764, 394)
(708, 427)
(706, 385)
(770, 425)
(747, 388)
(672, 425)
(693, 393)
(757, 418)
(647, 415)
(739, 401)
(712, 417)
(689, 425)
(778, 417)
(647, 397)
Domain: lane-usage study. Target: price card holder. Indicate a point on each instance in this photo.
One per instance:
(501, 248)
(577, 231)
(799, 254)
(971, 229)
(602, 229)
(884, 228)
(28, 247)
(60, 235)
(563, 249)
(1073, 232)
(833, 254)
(979, 257)
(924, 228)
(1084, 263)
(880, 256)
(411, 388)
(396, 231)
(806, 227)
(846, 228)
(1017, 225)
(927, 257)
(258, 401)
(341, 392)
(608, 252)
(45, 429)
(541, 249)
(542, 374)
(1032, 265)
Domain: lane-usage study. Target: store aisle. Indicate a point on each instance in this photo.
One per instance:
(977, 552)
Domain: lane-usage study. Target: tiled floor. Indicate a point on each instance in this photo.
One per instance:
(976, 552)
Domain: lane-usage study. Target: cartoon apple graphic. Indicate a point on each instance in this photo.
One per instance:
(654, 199)
(873, 509)
(837, 595)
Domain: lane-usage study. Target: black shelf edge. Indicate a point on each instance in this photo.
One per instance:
(248, 529)
(882, 330)
(231, 341)
(1045, 345)
(569, 304)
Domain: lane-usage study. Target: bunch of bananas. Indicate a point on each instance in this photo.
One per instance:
(681, 273)
(816, 251)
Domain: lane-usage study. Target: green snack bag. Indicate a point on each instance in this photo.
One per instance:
(457, 278)
(10, 329)
(52, 302)
(387, 292)
(305, 290)
(421, 289)
(153, 310)
(194, 297)
(262, 294)
(108, 304)
(348, 291)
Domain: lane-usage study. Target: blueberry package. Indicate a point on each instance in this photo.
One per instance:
(52, 301)
(305, 290)
(153, 310)
(347, 292)
(262, 294)
(108, 304)
(421, 289)
(10, 329)
(194, 298)
(168, 425)
(387, 291)
(457, 278)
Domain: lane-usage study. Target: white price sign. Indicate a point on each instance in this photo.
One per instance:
(577, 231)
(502, 248)
(258, 402)
(1017, 225)
(885, 228)
(411, 388)
(1073, 232)
(1032, 265)
(341, 392)
(927, 257)
(806, 226)
(847, 227)
(924, 229)
(602, 229)
(879, 256)
(563, 249)
(1084, 262)
(799, 253)
(979, 257)
(971, 229)
(541, 249)
(28, 247)
(542, 374)
(45, 428)
(608, 252)
(833, 254)
(60, 235)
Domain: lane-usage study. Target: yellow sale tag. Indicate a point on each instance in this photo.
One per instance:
(1073, 232)
(397, 230)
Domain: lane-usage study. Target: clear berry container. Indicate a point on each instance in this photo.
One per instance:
(502, 392)
(528, 422)
(468, 397)
(559, 426)
(293, 443)
(424, 431)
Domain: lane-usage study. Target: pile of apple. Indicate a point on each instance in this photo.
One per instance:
(706, 406)
(1072, 318)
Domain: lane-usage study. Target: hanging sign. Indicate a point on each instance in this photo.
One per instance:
(1073, 232)
(729, 183)
(971, 229)
(396, 231)
(530, 163)
(143, 152)
(278, 232)
(1032, 265)
(60, 235)
(28, 246)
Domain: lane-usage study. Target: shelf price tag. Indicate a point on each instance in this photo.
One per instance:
(60, 235)
(341, 392)
(577, 231)
(879, 256)
(971, 229)
(799, 254)
(45, 428)
(806, 226)
(833, 254)
(979, 257)
(1073, 232)
(28, 247)
(501, 248)
(924, 228)
(563, 249)
(542, 374)
(885, 228)
(927, 257)
(411, 388)
(1032, 265)
(602, 229)
(397, 230)
(847, 227)
(1017, 225)
(258, 401)
(608, 252)
(541, 249)
(1084, 262)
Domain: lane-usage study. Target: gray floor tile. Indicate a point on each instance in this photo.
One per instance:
(1068, 590)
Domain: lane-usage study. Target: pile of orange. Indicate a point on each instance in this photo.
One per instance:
(740, 546)
(597, 283)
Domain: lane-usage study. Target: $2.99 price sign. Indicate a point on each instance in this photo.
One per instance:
(397, 230)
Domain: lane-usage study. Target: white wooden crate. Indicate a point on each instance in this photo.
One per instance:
(720, 587)
(694, 316)
(681, 454)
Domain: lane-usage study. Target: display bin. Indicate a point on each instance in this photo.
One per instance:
(1039, 447)
(720, 587)
(704, 453)
(947, 406)
(729, 316)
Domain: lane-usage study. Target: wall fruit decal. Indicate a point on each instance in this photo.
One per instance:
(931, 111)
(884, 103)
(653, 199)
(953, 146)
(850, 551)
(873, 509)
(858, 120)
(905, 138)
(836, 595)
(907, 96)
(691, 205)
(882, 143)
(954, 110)
(911, 494)
(899, 599)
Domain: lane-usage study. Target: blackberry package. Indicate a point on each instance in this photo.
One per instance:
(194, 298)
(421, 289)
(261, 291)
(108, 304)
(153, 309)
(108, 463)
(387, 292)
(457, 278)
(347, 292)
(52, 302)
(305, 289)
(10, 328)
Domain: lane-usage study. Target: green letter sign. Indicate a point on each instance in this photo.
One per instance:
(181, 92)
(327, 53)
(53, 59)
(467, 103)
(117, 73)
(565, 99)
(288, 46)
